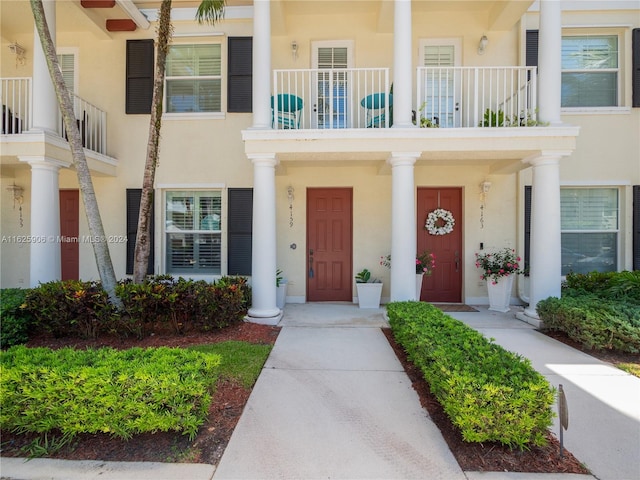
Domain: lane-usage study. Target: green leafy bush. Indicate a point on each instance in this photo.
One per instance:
(594, 321)
(490, 394)
(15, 321)
(621, 286)
(121, 393)
(160, 303)
(70, 308)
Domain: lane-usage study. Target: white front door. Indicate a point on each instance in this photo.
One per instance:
(331, 108)
(442, 83)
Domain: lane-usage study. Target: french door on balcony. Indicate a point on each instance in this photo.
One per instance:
(331, 107)
(440, 83)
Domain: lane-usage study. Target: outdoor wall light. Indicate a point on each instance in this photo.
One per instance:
(482, 45)
(19, 52)
(294, 50)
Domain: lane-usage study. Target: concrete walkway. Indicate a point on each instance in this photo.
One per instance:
(334, 402)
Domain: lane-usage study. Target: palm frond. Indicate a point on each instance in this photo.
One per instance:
(210, 11)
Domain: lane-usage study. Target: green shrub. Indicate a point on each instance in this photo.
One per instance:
(242, 284)
(593, 321)
(121, 393)
(70, 308)
(15, 321)
(620, 286)
(490, 394)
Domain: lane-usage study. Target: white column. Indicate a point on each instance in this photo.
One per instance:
(550, 61)
(545, 261)
(45, 257)
(263, 274)
(403, 226)
(402, 72)
(45, 111)
(261, 64)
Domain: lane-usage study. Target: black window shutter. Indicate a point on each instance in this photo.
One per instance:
(133, 210)
(532, 48)
(240, 231)
(636, 227)
(240, 65)
(139, 88)
(527, 226)
(635, 42)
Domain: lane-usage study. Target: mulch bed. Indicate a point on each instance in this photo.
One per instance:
(486, 457)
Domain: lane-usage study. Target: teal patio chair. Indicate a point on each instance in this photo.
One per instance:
(375, 105)
(287, 112)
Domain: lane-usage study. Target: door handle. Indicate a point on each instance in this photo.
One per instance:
(310, 263)
(457, 261)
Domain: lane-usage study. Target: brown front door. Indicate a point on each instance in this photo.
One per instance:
(329, 240)
(69, 231)
(445, 285)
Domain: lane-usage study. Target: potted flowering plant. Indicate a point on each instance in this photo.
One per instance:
(425, 263)
(499, 269)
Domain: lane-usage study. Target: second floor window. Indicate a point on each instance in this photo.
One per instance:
(590, 71)
(194, 79)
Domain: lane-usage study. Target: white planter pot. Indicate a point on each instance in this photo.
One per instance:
(500, 293)
(419, 277)
(369, 294)
(281, 295)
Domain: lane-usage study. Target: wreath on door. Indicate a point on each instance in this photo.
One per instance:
(440, 222)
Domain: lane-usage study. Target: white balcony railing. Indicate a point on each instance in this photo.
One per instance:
(17, 114)
(331, 98)
(15, 95)
(476, 96)
(92, 124)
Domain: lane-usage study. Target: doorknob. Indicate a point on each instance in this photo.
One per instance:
(310, 263)
(457, 261)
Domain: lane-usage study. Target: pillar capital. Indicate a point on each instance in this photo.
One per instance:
(263, 159)
(397, 159)
(37, 161)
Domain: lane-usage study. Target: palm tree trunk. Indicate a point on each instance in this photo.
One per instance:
(96, 229)
(143, 246)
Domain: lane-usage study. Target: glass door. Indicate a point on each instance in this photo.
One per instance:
(331, 106)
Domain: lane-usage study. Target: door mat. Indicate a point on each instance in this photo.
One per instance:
(454, 307)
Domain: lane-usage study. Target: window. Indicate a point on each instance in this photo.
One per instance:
(193, 232)
(590, 71)
(589, 222)
(67, 63)
(194, 78)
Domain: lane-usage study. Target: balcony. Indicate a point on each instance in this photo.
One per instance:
(478, 116)
(450, 97)
(17, 115)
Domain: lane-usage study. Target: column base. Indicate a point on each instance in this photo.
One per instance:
(531, 317)
(264, 317)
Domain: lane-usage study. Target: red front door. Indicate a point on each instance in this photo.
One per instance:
(69, 231)
(329, 244)
(445, 284)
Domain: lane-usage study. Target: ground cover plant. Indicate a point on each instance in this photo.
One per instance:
(600, 311)
(490, 394)
(236, 357)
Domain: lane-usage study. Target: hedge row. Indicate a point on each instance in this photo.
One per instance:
(15, 322)
(598, 310)
(489, 393)
(81, 308)
(121, 393)
(593, 321)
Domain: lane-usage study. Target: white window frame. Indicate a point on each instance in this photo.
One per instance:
(198, 189)
(223, 86)
(619, 215)
(75, 52)
(621, 85)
